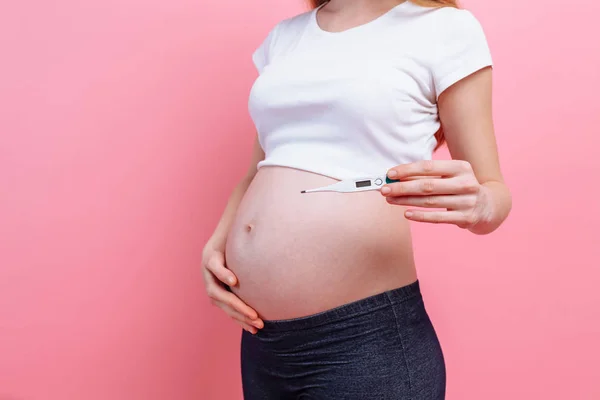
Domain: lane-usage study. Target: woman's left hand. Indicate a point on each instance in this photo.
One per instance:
(441, 184)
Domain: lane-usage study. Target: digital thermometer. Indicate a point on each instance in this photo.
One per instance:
(354, 185)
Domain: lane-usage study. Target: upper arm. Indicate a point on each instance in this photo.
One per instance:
(257, 155)
(465, 110)
(462, 77)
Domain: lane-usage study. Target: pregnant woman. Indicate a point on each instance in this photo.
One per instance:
(324, 283)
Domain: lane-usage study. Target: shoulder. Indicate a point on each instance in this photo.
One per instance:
(291, 26)
(447, 32)
(454, 44)
(454, 21)
(451, 22)
(440, 22)
(286, 32)
(285, 28)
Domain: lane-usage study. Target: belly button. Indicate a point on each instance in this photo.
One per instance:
(249, 227)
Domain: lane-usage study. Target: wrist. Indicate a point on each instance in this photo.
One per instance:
(494, 206)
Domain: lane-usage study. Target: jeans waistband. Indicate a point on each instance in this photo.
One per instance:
(349, 310)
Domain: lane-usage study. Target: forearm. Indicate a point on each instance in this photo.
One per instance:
(500, 203)
(219, 236)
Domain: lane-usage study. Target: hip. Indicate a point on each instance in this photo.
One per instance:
(383, 346)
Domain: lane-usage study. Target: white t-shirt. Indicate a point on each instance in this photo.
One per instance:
(355, 103)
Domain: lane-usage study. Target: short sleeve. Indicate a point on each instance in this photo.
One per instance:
(462, 49)
(263, 53)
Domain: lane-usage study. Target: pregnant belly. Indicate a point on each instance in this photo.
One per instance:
(298, 254)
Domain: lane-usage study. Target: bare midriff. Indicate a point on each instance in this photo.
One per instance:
(297, 254)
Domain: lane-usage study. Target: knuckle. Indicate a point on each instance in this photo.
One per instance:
(471, 219)
(211, 292)
(215, 257)
(471, 201)
(470, 185)
(209, 265)
(427, 165)
(205, 255)
(430, 201)
(466, 166)
(428, 186)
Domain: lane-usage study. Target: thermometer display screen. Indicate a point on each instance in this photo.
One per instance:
(360, 184)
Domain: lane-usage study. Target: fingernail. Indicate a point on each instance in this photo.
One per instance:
(385, 190)
(392, 173)
(408, 214)
(231, 280)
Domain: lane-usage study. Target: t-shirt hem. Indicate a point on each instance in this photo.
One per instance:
(338, 174)
(458, 75)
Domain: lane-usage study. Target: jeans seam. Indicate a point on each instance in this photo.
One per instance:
(403, 346)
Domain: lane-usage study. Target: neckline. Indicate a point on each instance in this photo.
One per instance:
(315, 22)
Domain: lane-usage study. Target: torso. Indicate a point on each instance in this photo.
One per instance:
(333, 106)
(299, 254)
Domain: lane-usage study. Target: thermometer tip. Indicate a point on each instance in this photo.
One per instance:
(304, 191)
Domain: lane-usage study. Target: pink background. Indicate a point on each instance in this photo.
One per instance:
(123, 128)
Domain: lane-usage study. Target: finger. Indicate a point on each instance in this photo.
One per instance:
(218, 293)
(416, 177)
(216, 265)
(440, 217)
(428, 187)
(248, 328)
(430, 168)
(240, 318)
(442, 201)
(237, 304)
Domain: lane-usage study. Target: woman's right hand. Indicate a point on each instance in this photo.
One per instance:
(215, 274)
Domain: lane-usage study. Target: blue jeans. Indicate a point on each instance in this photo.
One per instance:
(378, 348)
